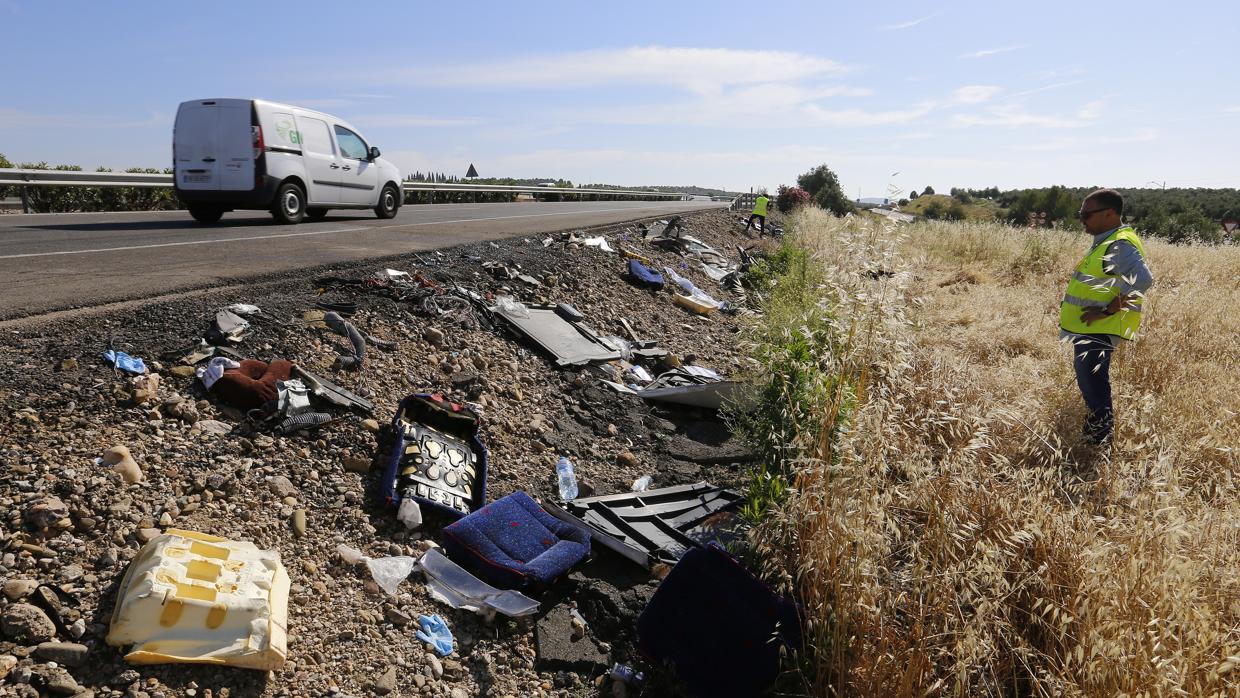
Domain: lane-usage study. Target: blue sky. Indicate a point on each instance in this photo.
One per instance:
(952, 94)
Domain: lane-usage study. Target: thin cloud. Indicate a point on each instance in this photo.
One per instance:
(859, 117)
(1092, 110)
(1047, 88)
(1232, 110)
(1141, 135)
(909, 24)
(993, 51)
(702, 70)
(1013, 115)
(975, 94)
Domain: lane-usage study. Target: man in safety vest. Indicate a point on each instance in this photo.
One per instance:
(759, 212)
(1103, 304)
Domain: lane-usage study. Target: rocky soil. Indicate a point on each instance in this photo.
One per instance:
(72, 523)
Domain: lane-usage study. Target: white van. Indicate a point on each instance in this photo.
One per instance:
(251, 154)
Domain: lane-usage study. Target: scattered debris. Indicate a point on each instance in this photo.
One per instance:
(570, 343)
(195, 598)
(514, 543)
(658, 525)
(435, 633)
(388, 572)
(125, 362)
(436, 456)
(683, 625)
(452, 584)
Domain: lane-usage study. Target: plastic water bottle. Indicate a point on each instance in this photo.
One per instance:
(568, 479)
(626, 674)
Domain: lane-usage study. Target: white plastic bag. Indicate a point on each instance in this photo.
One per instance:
(388, 572)
(510, 307)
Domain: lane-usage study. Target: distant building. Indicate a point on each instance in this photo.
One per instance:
(872, 201)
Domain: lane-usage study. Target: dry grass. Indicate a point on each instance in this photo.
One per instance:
(955, 537)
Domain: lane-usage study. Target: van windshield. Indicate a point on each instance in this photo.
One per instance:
(351, 145)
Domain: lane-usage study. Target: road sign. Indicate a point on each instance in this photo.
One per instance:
(472, 172)
(1230, 224)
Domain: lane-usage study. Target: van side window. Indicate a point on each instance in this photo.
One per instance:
(315, 138)
(351, 144)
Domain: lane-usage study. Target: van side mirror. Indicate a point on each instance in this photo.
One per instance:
(374, 153)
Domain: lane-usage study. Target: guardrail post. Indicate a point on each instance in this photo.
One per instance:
(25, 199)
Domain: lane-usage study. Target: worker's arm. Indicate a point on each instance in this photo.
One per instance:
(1124, 261)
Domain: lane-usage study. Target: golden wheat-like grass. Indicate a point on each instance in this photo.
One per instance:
(958, 538)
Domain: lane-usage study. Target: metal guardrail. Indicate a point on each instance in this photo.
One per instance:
(72, 178)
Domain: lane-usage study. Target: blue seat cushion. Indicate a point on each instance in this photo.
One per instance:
(513, 543)
(643, 275)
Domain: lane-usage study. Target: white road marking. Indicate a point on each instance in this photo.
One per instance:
(314, 233)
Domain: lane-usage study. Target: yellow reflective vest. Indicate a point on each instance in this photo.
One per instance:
(1092, 287)
(759, 206)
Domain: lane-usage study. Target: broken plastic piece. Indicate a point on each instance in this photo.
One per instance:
(243, 309)
(329, 391)
(409, 513)
(195, 598)
(656, 525)
(599, 242)
(571, 343)
(454, 585)
(641, 484)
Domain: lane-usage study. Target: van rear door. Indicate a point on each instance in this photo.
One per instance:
(213, 145)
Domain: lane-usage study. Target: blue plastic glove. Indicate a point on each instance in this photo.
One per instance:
(435, 632)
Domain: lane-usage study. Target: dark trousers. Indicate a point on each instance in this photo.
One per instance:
(761, 220)
(1092, 360)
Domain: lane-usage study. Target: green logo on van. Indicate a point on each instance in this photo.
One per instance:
(285, 131)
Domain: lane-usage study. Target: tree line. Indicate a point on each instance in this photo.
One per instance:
(1177, 214)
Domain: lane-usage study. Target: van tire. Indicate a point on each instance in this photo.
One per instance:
(316, 214)
(389, 202)
(206, 214)
(290, 204)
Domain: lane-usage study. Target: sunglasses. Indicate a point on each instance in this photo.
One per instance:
(1084, 215)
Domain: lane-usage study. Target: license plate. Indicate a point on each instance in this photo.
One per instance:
(197, 178)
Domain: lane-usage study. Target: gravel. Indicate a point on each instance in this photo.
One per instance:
(74, 523)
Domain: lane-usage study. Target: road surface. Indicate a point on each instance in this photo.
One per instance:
(57, 261)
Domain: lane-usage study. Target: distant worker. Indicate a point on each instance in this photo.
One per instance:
(759, 212)
(1103, 304)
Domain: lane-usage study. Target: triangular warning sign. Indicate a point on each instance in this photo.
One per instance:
(472, 172)
(1230, 224)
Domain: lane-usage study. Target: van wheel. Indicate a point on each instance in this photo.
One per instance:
(389, 201)
(316, 214)
(290, 205)
(206, 214)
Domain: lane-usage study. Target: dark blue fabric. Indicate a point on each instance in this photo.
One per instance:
(1091, 358)
(513, 543)
(643, 275)
(715, 622)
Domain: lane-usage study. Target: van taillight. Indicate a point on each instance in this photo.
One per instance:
(256, 138)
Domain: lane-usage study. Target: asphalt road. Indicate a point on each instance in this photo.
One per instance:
(53, 262)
